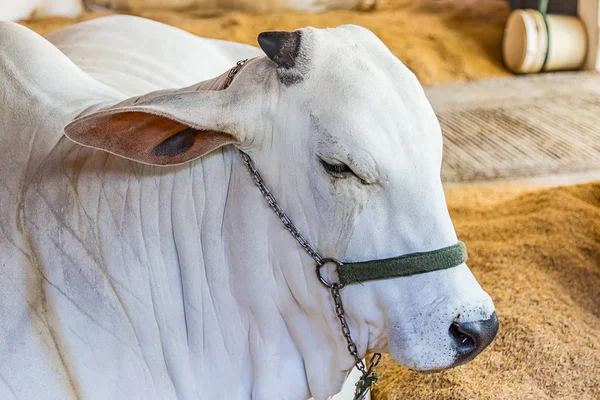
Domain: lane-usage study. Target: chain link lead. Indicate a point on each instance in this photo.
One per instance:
(285, 220)
(368, 376)
(234, 71)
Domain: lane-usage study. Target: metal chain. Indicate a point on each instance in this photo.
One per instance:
(234, 71)
(369, 377)
(339, 311)
(285, 220)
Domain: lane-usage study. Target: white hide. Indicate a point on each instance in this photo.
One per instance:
(121, 280)
(14, 10)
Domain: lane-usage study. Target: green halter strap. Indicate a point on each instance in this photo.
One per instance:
(409, 264)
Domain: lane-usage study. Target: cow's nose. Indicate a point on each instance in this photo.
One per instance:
(472, 337)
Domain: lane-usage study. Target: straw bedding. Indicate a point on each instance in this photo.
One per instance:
(536, 252)
(429, 36)
(538, 255)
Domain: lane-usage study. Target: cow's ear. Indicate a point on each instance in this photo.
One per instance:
(161, 129)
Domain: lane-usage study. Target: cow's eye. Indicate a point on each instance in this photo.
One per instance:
(339, 170)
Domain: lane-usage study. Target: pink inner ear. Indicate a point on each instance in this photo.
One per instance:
(141, 137)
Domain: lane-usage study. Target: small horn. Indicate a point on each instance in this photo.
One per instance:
(281, 47)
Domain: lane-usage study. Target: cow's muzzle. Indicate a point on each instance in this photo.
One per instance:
(471, 338)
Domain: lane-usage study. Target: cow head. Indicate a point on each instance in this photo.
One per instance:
(360, 133)
(344, 136)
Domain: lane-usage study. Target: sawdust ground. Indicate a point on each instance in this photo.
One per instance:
(536, 252)
(428, 36)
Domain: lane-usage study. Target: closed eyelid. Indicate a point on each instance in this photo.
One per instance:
(333, 150)
(366, 167)
(331, 162)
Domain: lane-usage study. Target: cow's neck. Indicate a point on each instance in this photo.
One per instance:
(267, 324)
(216, 298)
(254, 313)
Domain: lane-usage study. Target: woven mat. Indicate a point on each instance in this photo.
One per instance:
(519, 127)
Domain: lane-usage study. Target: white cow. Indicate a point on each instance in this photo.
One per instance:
(120, 279)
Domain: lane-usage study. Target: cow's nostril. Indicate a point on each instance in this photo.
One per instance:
(470, 338)
(464, 341)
